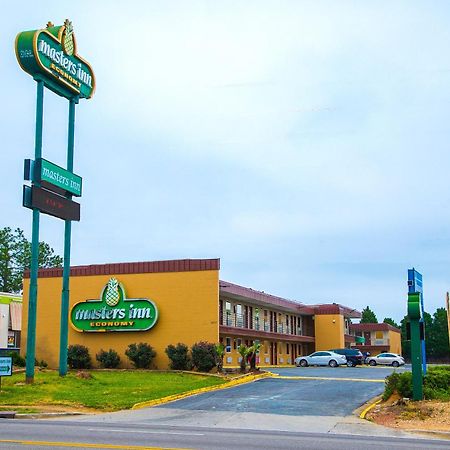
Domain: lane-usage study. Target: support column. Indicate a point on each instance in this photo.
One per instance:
(32, 298)
(63, 339)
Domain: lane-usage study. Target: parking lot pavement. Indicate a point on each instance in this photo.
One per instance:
(359, 372)
(286, 397)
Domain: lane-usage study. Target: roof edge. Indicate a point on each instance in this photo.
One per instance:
(175, 265)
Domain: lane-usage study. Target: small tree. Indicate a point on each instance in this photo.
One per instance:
(78, 357)
(179, 357)
(204, 356)
(108, 359)
(368, 316)
(243, 351)
(15, 257)
(220, 352)
(141, 355)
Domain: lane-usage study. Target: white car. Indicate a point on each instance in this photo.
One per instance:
(321, 359)
(390, 359)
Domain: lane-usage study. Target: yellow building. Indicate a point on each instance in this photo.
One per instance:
(167, 302)
(378, 338)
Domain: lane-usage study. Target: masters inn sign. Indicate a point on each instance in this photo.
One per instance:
(51, 55)
(114, 312)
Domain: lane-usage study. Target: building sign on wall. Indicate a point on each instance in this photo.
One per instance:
(51, 55)
(114, 312)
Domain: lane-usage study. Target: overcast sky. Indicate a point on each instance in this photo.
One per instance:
(305, 143)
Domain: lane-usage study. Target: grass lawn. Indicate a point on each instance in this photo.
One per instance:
(106, 390)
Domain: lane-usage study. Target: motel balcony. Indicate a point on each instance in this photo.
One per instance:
(241, 325)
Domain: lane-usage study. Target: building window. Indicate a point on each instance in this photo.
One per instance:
(228, 346)
(239, 343)
(287, 349)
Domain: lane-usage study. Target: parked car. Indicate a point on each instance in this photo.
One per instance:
(354, 356)
(390, 359)
(321, 359)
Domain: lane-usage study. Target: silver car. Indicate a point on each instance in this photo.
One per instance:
(321, 359)
(390, 359)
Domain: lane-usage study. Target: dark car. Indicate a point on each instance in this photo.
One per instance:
(354, 357)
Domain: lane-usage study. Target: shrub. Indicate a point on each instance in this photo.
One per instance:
(179, 357)
(437, 383)
(108, 359)
(42, 363)
(17, 360)
(390, 385)
(78, 357)
(204, 356)
(141, 355)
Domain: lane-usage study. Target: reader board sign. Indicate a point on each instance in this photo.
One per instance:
(50, 203)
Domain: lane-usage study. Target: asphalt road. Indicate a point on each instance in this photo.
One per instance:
(24, 434)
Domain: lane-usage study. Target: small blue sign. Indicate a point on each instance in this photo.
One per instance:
(415, 283)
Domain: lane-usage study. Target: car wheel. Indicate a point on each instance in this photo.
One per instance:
(372, 363)
(350, 364)
(332, 363)
(395, 363)
(304, 363)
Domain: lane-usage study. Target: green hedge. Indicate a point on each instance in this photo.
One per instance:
(436, 385)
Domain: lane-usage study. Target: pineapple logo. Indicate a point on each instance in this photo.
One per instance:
(112, 292)
(67, 38)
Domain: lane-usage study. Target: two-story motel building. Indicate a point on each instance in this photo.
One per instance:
(192, 305)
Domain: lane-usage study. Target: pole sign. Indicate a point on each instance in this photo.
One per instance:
(50, 55)
(114, 312)
(50, 203)
(5, 366)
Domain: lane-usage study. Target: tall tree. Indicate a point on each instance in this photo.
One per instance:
(391, 322)
(15, 257)
(368, 316)
(437, 337)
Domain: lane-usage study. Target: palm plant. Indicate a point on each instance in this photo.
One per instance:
(220, 351)
(252, 352)
(243, 351)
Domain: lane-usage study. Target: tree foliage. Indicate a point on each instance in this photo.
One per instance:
(390, 321)
(368, 316)
(15, 257)
(436, 335)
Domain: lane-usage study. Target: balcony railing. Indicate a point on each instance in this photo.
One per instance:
(230, 319)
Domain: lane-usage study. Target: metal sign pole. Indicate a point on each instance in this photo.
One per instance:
(32, 299)
(63, 340)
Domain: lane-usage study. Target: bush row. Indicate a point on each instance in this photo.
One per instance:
(203, 356)
(436, 384)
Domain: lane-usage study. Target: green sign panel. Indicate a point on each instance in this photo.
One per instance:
(114, 312)
(51, 55)
(50, 173)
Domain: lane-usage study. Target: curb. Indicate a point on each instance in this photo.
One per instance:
(48, 415)
(366, 410)
(171, 398)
